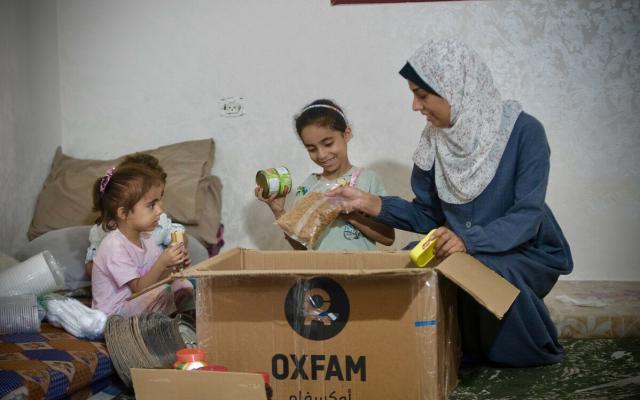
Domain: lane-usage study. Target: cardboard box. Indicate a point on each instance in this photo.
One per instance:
(352, 326)
(171, 384)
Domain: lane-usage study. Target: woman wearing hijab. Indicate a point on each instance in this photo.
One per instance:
(480, 174)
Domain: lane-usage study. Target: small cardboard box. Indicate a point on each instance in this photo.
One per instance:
(171, 384)
(340, 325)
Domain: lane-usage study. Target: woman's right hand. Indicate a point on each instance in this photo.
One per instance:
(357, 200)
(276, 204)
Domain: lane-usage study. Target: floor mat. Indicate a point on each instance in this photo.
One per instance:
(592, 369)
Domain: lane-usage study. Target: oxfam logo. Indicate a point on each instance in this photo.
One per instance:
(317, 308)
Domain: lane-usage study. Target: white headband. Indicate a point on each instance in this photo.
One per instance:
(325, 106)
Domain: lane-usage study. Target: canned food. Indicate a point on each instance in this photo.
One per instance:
(274, 180)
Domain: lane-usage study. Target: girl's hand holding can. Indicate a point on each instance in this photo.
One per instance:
(275, 203)
(174, 254)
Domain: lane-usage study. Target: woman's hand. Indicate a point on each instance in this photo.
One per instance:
(357, 200)
(448, 243)
(275, 204)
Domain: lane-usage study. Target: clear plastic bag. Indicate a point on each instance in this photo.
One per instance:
(308, 219)
(76, 318)
(19, 314)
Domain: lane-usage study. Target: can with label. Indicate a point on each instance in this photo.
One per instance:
(274, 180)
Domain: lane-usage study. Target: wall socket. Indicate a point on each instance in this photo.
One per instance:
(232, 106)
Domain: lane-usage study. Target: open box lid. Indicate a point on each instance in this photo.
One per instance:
(158, 384)
(488, 288)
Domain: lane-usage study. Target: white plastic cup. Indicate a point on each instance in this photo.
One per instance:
(37, 275)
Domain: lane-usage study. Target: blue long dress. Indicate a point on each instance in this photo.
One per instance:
(509, 228)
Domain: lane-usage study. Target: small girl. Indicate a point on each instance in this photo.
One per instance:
(324, 131)
(161, 233)
(128, 260)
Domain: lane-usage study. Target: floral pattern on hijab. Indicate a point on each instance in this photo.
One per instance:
(467, 154)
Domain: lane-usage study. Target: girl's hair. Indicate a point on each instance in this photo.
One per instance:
(324, 113)
(147, 160)
(128, 183)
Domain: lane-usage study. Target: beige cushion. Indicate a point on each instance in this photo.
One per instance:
(66, 198)
(207, 228)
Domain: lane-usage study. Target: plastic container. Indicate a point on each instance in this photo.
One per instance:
(274, 180)
(19, 314)
(424, 251)
(37, 275)
(190, 359)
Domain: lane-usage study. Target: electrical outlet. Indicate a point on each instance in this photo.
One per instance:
(232, 106)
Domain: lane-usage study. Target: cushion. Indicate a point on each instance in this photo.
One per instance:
(66, 197)
(69, 247)
(52, 364)
(207, 228)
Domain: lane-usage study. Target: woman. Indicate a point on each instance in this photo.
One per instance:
(480, 174)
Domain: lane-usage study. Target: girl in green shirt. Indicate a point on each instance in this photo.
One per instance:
(324, 131)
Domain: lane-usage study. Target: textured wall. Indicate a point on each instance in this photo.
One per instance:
(135, 76)
(29, 111)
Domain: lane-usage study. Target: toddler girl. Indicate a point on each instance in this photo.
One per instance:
(161, 233)
(128, 259)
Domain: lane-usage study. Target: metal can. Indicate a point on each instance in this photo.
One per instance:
(274, 180)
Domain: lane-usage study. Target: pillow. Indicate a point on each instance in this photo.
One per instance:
(66, 199)
(69, 247)
(207, 228)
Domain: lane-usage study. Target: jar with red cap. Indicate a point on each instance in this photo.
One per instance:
(190, 358)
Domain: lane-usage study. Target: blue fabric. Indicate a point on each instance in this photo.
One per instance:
(48, 355)
(509, 228)
(58, 385)
(9, 381)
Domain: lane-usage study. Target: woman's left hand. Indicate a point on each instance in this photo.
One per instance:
(448, 243)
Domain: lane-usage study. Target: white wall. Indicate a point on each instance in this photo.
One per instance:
(29, 111)
(136, 74)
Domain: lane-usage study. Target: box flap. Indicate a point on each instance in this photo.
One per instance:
(489, 289)
(158, 384)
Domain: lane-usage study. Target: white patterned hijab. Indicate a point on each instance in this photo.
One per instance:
(467, 154)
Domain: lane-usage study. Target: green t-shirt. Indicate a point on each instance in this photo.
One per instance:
(341, 235)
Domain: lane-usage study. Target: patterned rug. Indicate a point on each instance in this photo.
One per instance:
(592, 369)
